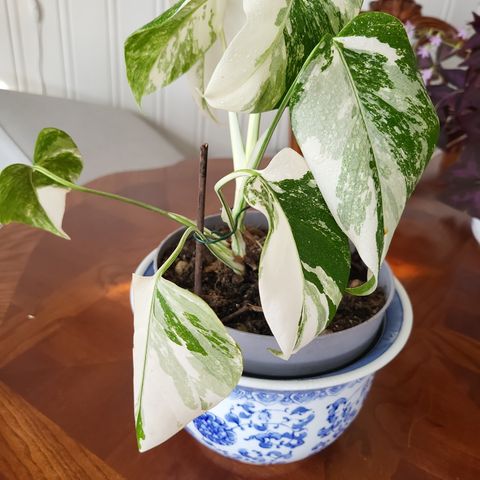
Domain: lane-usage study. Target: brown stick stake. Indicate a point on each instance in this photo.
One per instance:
(202, 179)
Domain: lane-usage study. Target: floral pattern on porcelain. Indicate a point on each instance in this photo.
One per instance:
(266, 426)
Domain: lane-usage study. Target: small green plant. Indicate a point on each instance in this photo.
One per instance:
(366, 127)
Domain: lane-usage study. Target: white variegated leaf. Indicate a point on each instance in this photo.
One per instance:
(166, 48)
(364, 83)
(184, 361)
(53, 199)
(305, 260)
(263, 60)
(199, 75)
(29, 197)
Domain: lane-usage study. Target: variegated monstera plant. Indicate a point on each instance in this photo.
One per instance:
(365, 125)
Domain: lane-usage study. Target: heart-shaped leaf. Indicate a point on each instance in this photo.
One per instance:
(367, 129)
(166, 48)
(184, 360)
(305, 260)
(263, 60)
(29, 197)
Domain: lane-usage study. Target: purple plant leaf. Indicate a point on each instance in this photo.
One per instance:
(470, 124)
(472, 43)
(454, 76)
(468, 111)
(445, 51)
(473, 60)
(462, 181)
(469, 102)
(440, 93)
(473, 79)
(476, 22)
(456, 95)
(444, 98)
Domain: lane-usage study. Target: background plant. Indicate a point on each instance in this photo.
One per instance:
(365, 124)
(451, 72)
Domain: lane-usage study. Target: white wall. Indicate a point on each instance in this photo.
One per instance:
(74, 49)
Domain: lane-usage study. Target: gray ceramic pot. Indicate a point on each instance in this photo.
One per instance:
(327, 352)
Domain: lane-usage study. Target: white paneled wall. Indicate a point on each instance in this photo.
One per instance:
(74, 49)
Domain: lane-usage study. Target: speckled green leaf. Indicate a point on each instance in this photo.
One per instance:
(166, 48)
(264, 58)
(184, 361)
(305, 261)
(29, 197)
(367, 129)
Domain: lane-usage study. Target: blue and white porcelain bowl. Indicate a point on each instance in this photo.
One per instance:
(267, 421)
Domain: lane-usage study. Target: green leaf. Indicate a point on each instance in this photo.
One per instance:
(367, 129)
(166, 48)
(305, 260)
(56, 151)
(264, 58)
(27, 196)
(184, 360)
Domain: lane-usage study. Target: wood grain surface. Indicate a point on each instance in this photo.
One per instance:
(66, 406)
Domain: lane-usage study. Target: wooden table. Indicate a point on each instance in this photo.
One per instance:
(66, 407)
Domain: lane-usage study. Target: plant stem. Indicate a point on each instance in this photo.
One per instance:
(238, 154)
(168, 262)
(238, 150)
(257, 154)
(173, 216)
(244, 172)
(218, 190)
(252, 138)
(220, 250)
(252, 133)
(199, 248)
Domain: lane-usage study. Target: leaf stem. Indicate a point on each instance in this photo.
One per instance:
(233, 219)
(238, 150)
(243, 172)
(239, 160)
(173, 216)
(252, 139)
(169, 261)
(220, 250)
(252, 133)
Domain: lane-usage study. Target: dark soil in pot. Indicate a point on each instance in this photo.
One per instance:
(236, 299)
